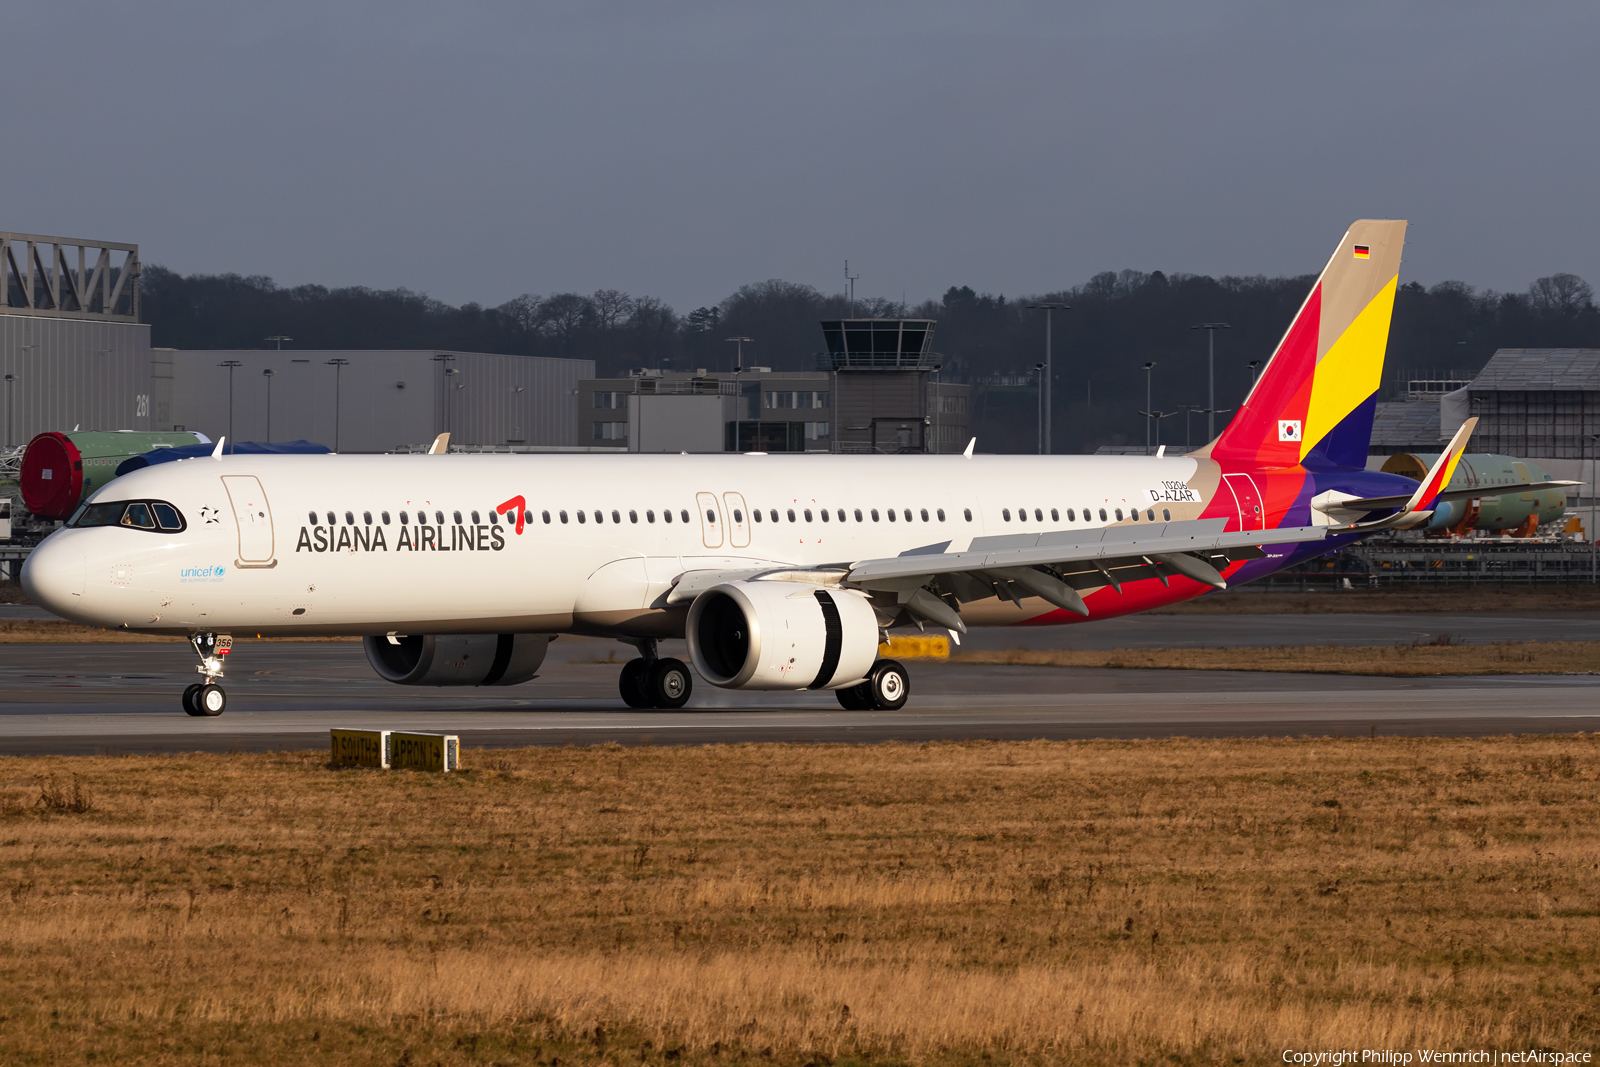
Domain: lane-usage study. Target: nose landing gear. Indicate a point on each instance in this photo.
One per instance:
(207, 698)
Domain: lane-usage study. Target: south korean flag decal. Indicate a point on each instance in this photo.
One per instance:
(1289, 430)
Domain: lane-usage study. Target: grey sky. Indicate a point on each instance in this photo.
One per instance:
(479, 151)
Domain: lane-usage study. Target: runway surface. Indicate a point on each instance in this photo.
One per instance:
(124, 698)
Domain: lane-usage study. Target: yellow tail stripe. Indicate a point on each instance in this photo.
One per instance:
(1351, 370)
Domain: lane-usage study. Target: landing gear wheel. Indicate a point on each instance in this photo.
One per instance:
(855, 697)
(890, 685)
(189, 696)
(668, 684)
(635, 673)
(211, 700)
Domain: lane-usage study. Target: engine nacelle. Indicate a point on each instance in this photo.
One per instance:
(457, 659)
(782, 635)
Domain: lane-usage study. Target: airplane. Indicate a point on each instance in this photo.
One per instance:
(783, 572)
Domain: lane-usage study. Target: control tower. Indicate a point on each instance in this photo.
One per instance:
(887, 394)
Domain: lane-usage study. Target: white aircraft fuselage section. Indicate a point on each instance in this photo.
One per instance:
(366, 545)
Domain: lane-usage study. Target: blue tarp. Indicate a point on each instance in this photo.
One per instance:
(243, 448)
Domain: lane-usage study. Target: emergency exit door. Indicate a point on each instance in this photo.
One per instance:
(710, 521)
(1248, 497)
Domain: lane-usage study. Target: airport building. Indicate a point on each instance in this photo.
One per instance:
(359, 400)
(875, 390)
(72, 349)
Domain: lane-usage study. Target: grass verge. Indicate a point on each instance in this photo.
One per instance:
(1404, 661)
(1188, 901)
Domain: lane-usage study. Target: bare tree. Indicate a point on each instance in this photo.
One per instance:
(523, 311)
(611, 307)
(564, 315)
(1561, 294)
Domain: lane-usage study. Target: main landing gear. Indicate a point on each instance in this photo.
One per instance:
(886, 688)
(653, 682)
(207, 698)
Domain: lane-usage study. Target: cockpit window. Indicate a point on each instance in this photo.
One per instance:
(136, 514)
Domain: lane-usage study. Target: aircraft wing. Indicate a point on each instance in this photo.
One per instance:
(1055, 565)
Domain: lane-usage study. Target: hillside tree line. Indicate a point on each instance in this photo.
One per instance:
(1119, 321)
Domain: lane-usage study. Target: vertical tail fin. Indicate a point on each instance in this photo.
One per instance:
(1314, 403)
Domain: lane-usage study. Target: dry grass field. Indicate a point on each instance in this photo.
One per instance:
(1179, 901)
(1404, 660)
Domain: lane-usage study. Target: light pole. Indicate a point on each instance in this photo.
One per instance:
(338, 365)
(1048, 307)
(279, 338)
(937, 367)
(738, 400)
(1211, 329)
(268, 373)
(230, 364)
(1148, 367)
(444, 360)
(1038, 370)
(1593, 440)
(1155, 417)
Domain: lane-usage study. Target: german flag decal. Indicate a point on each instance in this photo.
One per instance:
(1361, 252)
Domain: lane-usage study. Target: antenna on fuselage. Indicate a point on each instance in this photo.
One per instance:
(440, 446)
(970, 444)
(216, 453)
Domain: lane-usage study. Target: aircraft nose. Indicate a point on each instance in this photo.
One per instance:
(52, 576)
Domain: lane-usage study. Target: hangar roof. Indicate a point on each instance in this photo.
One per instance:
(1405, 427)
(1540, 370)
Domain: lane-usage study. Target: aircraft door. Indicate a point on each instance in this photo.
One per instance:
(1248, 498)
(253, 515)
(710, 520)
(738, 520)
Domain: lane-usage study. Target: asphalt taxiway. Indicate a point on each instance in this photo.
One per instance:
(114, 698)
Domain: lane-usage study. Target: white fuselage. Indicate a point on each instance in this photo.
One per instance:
(330, 544)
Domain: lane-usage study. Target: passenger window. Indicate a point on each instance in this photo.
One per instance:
(1166, 514)
(494, 517)
(892, 515)
(349, 519)
(456, 515)
(438, 518)
(332, 519)
(1135, 515)
(581, 519)
(1150, 515)
(1119, 514)
(1006, 514)
(563, 518)
(138, 515)
(824, 514)
(874, 514)
(633, 516)
(404, 518)
(545, 515)
(683, 513)
(808, 514)
(1072, 516)
(756, 514)
(616, 516)
(1102, 514)
(841, 514)
(791, 514)
(967, 512)
(858, 515)
(924, 514)
(1055, 516)
(366, 518)
(649, 516)
(313, 518)
(475, 519)
(940, 513)
(527, 518)
(167, 516)
(774, 514)
(385, 517)
(711, 516)
(908, 514)
(1022, 514)
(1038, 515)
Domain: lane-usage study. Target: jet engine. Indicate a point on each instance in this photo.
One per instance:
(782, 635)
(457, 659)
